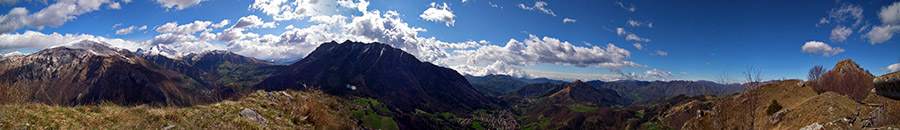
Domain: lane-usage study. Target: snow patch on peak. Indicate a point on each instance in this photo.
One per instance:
(160, 49)
(92, 45)
(13, 54)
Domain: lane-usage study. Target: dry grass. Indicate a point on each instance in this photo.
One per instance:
(307, 110)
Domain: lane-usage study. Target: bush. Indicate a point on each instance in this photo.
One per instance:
(773, 107)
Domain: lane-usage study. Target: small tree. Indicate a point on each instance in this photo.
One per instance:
(816, 73)
(754, 78)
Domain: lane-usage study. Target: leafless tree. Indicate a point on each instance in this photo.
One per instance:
(816, 73)
(754, 78)
(725, 76)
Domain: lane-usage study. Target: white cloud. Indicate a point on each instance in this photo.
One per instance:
(190, 28)
(221, 24)
(37, 40)
(844, 13)
(252, 22)
(116, 25)
(171, 38)
(498, 67)
(630, 36)
(115, 5)
(660, 53)
(281, 10)
(892, 68)
(464, 1)
(638, 46)
(289, 27)
(817, 47)
(631, 8)
(840, 34)
(54, 15)
(129, 30)
(890, 14)
(638, 23)
(444, 14)
(683, 73)
(494, 5)
(568, 20)
(634, 37)
(178, 4)
(889, 20)
(360, 5)
(658, 74)
(539, 5)
(535, 50)
(880, 34)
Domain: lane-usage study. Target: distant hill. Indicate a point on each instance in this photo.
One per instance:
(572, 93)
(496, 85)
(382, 72)
(643, 90)
(90, 72)
(213, 69)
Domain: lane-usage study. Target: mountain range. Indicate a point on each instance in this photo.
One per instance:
(377, 86)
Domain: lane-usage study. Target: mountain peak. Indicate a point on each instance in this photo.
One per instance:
(846, 64)
(90, 45)
(159, 50)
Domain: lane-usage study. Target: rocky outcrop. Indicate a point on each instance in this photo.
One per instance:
(253, 115)
(847, 78)
(888, 85)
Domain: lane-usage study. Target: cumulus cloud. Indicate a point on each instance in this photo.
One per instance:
(890, 14)
(889, 19)
(252, 21)
(892, 68)
(498, 67)
(539, 6)
(289, 27)
(880, 34)
(629, 8)
(178, 4)
(54, 15)
(37, 40)
(439, 13)
(638, 46)
(128, 30)
(840, 33)
(115, 5)
(817, 47)
(281, 10)
(546, 50)
(190, 28)
(568, 20)
(221, 24)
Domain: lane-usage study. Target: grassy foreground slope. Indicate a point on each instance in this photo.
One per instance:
(300, 110)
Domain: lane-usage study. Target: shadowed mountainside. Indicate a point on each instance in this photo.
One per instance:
(89, 72)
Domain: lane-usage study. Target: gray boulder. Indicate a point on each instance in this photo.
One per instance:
(252, 114)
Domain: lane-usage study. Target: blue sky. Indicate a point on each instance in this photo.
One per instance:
(700, 40)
